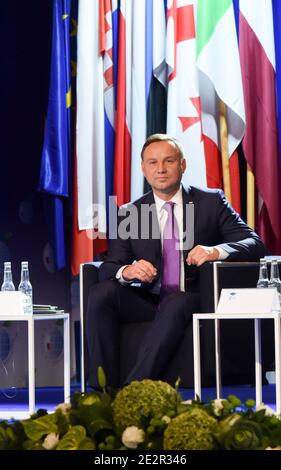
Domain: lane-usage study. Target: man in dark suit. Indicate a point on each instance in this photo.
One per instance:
(143, 280)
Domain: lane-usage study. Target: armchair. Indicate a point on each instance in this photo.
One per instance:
(237, 360)
(130, 338)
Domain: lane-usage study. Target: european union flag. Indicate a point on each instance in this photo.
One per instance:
(54, 173)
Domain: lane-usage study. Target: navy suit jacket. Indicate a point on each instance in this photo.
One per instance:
(215, 223)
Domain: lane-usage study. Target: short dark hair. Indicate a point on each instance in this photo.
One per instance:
(163, 138)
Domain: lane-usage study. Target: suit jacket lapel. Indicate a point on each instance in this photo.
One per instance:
(152, 244)
(189, 217)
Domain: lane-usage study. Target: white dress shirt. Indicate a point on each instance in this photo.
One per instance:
(162, 216)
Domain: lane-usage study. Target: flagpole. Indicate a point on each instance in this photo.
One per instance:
(250, 198)
(224, 150)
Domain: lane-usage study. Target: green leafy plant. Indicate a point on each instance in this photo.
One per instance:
(145, 414)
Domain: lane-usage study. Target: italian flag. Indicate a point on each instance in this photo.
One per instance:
(221, 93)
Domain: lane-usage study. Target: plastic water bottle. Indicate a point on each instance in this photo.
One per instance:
(8, 284)
(26, 288)
(263, 277)
(274, 278)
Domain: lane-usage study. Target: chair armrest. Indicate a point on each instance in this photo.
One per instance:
(89, 275)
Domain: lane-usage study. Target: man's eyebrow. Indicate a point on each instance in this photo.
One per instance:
(170, 156)
(167, 156)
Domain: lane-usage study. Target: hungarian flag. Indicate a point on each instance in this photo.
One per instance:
(221, 92)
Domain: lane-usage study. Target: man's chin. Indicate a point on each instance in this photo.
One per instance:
(165, 189)
(162, 188)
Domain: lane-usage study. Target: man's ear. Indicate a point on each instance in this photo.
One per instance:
(183, 165)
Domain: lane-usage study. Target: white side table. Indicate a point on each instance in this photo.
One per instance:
(257, 317)
(30, 319)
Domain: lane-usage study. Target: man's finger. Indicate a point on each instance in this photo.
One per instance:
(191, 259)
(202, 260)
(142, 274)
(149, 267)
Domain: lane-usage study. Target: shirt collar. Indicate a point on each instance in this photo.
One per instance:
(177, 199)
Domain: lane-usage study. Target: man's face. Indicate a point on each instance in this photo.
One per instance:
(163, 167)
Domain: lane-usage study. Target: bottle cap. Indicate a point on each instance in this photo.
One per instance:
(24, 263)
(7, 264)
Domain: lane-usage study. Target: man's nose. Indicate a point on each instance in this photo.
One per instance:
(161, 168)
